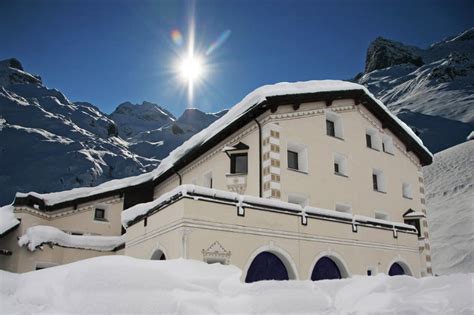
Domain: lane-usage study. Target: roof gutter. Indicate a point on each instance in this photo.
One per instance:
(260, 163)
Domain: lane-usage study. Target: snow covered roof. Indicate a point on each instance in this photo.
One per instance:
(249, 108)
(414, 214)
(138, 212)
(38, 235)
(8, 221)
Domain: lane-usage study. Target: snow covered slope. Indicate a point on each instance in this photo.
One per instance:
(437, 82)
(48, 143)
(124, 285)
(449, 184)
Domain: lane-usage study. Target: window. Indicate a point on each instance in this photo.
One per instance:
(99, 214)
(381, 215)
(407, 191)
(378, 181)
(334, 124)
(292, 160)
(239, 163)
(298, 199)
(343, 208)
(368, 140)
(375, 182)
(207, 182)
(372, 139)
(330, 128)
(297, 155)
(340, 164)
(387, 145)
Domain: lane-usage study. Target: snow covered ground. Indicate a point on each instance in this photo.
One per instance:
(118, 284)
(449, 184)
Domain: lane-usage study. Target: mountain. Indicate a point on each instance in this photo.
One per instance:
(51, 144)
(449, 184)
(426, 86)
(132, 119)
(159, 142)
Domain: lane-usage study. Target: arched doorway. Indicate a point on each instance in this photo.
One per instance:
(325, 269)
(158, 255)
(266, 266)
(396, 270)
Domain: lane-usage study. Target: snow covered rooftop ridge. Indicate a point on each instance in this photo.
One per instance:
(257, 97)
(38, 235)
(252, 101)
(137, 212)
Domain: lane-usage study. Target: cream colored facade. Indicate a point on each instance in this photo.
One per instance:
(212, 231)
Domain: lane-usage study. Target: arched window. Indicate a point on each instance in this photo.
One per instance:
(396, 270)
(158, 255)
(325, 269)
(266, 266)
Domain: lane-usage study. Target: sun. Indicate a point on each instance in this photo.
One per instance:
(191, 68)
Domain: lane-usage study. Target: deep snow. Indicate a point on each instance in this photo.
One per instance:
(449, 183)
(119, 284)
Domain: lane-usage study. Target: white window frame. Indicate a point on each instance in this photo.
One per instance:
(338, 124)
(208, 180)
(302, 151)
(376, 141)
(381, 215)
(407, 190)
(106, 213)
(343, 207)
(381, 181)
(298, 199)
(341, 160)
(387, 144)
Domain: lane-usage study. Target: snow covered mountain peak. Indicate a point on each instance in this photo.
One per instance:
(133, 119)
(11, 72)
(425, 87)
(383, 53)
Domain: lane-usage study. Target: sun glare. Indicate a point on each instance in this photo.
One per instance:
(191, 68)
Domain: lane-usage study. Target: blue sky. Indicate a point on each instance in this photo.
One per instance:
(107, 52)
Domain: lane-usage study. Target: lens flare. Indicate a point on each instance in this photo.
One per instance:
(218, 42)
(177, 37)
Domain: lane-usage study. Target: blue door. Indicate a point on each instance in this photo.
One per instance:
(396, 270)
(325, 269)
(266, 266)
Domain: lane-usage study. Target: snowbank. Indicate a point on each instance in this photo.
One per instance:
(119, 285)
(7, 219)
(37, 235)
(251, 101)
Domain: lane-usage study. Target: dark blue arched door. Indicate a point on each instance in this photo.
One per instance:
(266, 266)
(325, 269)
(396, 270)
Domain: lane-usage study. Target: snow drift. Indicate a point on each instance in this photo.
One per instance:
(118, 284)
(450, 201)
